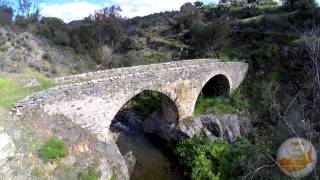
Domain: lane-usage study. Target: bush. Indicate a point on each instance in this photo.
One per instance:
(212, 36)
(53, 149)
(216, 159)
(268, 3)
(250, 11)
(300, 5)
(90, 174)
(85, 40)
(200, 155)
(55, 30)
(221, 105)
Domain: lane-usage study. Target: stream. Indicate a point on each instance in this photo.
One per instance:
(154, 160)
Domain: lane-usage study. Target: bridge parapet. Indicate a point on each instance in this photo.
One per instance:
(136, 70)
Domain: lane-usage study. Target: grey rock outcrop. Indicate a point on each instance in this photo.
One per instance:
(163, 121)
(228, 127)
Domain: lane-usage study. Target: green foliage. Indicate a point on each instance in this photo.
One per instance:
(85, 40)
(301, 5)
(221, 104)
(211, 37)
(55, 30)
(36, 172)
(227, 55)
(199, 155)
(145, 103)
(233, 160)
(54, 148)
(268, 3)
(249, 11)
(106, 23)
(216, 159)
(90, 174)
(171, 43)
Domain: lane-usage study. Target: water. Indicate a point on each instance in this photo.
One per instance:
(154, 161)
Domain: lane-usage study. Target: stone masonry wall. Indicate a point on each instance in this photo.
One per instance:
(93, 99)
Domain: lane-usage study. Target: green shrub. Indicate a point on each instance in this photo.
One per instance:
(53, 149)
(268, 3)
(211, 37)
(55, 30)
(199, 155)
(216, 159)
(221, 104)
(90, 174)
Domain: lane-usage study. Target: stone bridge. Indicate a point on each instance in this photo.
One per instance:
(92, 100)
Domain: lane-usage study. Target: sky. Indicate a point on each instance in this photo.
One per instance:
(69, 10)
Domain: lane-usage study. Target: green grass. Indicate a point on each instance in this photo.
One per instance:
(171, 43)
(283, 16)
(53, 149)
(12, 90)
(36, 172)
(90, 174)
(221, 105)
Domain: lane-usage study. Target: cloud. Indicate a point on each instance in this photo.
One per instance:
(69, 11)
(132, 8)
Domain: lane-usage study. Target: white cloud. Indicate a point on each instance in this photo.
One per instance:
(69, 11)
(132, 8)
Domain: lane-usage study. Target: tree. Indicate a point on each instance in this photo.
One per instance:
(28, 8)
(6, 14)
(198, 4)
(107, 25)
(211, 37)
(299, 4)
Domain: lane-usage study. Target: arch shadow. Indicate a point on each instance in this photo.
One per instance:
(218, 85)
(214, 86)
(155, 110)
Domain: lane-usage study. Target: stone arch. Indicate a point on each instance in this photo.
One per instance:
(160, 120)
(167, 103)
(218, 85)
(225, 85)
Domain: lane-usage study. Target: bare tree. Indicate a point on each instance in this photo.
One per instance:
(28, 8)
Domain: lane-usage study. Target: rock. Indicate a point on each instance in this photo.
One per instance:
(228, 127)
(130, 161)
(18, 112)
(7, 148)
(113, 164)
(32, 83)
(163, 122)
(120, 127)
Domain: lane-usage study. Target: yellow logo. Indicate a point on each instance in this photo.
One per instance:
(296, 157)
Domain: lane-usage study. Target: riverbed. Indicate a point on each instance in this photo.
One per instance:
(154, 158)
